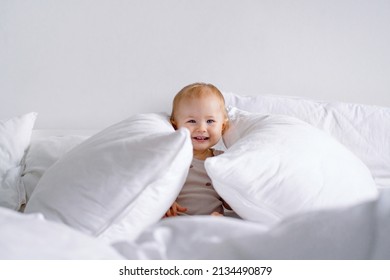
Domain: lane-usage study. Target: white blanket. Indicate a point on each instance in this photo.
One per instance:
(31, 237)
(359, 232)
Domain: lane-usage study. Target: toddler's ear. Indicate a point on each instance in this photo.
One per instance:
(225, 126)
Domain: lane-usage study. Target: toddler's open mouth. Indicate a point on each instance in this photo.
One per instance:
(200, 138)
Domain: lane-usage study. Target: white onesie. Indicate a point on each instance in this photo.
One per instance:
(198, 194)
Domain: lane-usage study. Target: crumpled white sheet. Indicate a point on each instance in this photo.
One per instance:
(358, 232)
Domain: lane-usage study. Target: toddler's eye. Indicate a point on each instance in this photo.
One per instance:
(191, 121)
(210, 121)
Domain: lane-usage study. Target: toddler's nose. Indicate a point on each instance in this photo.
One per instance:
(201, 127)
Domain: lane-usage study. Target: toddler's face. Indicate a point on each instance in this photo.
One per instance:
(204, 118)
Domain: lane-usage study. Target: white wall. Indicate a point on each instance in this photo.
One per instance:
(89, 63)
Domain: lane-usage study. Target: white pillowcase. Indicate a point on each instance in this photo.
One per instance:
(43, 153)
(119, 181)
(363, 129)
(276, 166)
(15, 137)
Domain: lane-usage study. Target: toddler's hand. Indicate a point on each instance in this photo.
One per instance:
(172, 211)
(216, 214)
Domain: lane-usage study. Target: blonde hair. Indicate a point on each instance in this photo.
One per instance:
(198, 90)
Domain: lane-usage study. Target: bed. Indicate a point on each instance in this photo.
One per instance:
(306, 179)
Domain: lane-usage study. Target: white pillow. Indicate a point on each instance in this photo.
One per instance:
(30, 236)
(363, 129)
(15, 136)
(43, 153)
(119, 181)
(276, 166)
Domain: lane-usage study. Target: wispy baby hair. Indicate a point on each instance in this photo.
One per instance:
(197, 90)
